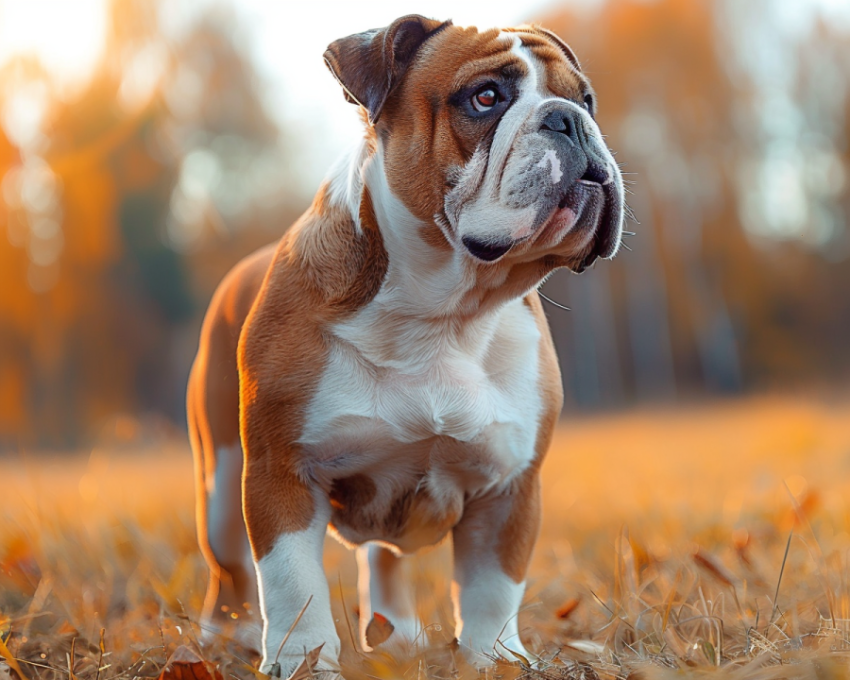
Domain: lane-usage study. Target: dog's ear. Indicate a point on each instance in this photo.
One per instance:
(369, 65)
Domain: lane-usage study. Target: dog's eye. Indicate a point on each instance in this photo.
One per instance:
(485, 99)
(588, 102)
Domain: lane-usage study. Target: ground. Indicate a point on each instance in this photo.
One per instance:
(710, 539)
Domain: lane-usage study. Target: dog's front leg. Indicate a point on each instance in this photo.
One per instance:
(492, 549)
(286, 522)
(385, 589)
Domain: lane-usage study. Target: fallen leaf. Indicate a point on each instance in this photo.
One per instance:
(567, 609)
(67, 629)
(713, 566)
(516, 655)
(306, 669)
(10, 660)
(185, 664)
(378, 630)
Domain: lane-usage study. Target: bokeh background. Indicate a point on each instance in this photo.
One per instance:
(146, 146)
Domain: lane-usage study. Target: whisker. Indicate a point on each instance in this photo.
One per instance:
(552, 302)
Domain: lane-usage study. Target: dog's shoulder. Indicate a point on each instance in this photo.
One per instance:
(326, 267)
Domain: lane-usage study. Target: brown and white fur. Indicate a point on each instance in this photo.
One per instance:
(386, 371)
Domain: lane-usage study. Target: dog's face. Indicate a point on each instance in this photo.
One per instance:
(489, 138)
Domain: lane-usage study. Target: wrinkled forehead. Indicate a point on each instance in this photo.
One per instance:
(458, 56)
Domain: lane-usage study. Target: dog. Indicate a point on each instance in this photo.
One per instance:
(385, 372)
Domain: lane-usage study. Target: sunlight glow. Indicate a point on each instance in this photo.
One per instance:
(67, 37)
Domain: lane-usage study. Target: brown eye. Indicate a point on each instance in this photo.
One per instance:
(485, 99)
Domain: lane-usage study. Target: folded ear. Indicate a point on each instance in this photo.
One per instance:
(369, 65)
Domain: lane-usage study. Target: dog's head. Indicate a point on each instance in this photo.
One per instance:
(489, 138)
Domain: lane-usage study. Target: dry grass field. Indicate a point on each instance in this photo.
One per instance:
(707, 540)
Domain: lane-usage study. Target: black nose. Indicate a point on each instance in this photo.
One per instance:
(485, 250)
(567, 121)
(564, 121)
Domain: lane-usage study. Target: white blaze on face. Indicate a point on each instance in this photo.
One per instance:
(551, 158)
(476, 207)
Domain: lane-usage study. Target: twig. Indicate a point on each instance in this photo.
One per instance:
(781, 571)
(274, 671)
(345, 612)
(103, 649)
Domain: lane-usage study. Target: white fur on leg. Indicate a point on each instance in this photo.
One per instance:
(384, 588)
(288, 576)
(486, 603)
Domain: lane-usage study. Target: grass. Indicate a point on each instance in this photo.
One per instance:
(709, 540)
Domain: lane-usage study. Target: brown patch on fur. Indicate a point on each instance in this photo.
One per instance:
(500, 60)
(419, 109)
(213, 390)
(552, 38)
(515, 542)
(563, 73)
(350, 493)
(323, 270)
(410, 519)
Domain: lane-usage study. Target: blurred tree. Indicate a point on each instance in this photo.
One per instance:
(122, 209)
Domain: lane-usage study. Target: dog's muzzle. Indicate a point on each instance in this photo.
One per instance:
(560, 166)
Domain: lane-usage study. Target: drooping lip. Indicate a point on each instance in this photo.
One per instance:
(589, 213)
(595, 212)
(570, 215)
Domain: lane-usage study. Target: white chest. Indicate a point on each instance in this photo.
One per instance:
(390, 390)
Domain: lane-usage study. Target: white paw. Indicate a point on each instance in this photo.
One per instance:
(320, 659)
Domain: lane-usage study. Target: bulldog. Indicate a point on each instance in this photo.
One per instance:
(385, 372)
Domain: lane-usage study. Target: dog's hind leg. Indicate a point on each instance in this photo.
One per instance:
(228, 538)
(385, 589)
(231, 603)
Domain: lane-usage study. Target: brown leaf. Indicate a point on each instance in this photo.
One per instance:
(378, 630)
(713, 565)
(10, 660)
(185, 664)
(67, 629)
(307, 668)
(567, 609)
